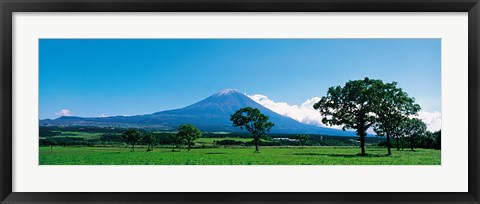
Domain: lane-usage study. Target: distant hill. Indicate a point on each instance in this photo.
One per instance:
(211, 114)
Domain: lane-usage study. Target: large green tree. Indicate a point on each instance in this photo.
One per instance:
(189, 133)
(132, 137)
(352, 106)
(392, 112)
(253, 121)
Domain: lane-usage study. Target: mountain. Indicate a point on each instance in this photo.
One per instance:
(211, 114)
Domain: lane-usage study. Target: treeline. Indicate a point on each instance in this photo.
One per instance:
(428, 140)
(50, 131)
(53, 136)
(294, 141)
(63, 136)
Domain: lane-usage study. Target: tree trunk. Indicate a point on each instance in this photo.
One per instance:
(133, 148)
(51, 146)
(389, 148)
(402, 143)
(412, 143)
(362, 142)
(189, 145)
(256, 145)
(398, 143)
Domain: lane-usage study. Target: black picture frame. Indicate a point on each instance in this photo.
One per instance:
(7, 7)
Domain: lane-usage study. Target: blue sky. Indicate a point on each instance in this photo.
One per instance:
(139, 76)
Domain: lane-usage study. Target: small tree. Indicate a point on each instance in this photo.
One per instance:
(413, 129)
(150, 140)
(50, 143)
(132, 137)
(303, 139)
(253, 121)
(391, 128)
(189, 134)
(175, 141)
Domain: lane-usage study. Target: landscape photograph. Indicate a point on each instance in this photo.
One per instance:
(239, 102)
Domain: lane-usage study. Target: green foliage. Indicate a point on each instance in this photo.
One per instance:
(48, 142)
(253, 121)
(109, 137)
(413, 129)
(48, 132)
(175, 140)
(64, 141)
(438, 139)
(189, 133)
(150, 140)
(430, 140)
(213, 140)
(366, 103)
(132, 137)
(229, 142)
(352, 106)
(393, 110)
(303, 139)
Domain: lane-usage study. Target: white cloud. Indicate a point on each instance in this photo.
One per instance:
(305, 113)
(432, 119)
(64, 112)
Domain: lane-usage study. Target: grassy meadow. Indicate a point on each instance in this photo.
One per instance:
(235, 156)
(101, 146)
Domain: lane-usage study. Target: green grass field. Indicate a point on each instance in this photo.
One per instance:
(235, 156)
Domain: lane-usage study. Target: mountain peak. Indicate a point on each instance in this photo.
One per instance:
(227, 91)
(210, 114)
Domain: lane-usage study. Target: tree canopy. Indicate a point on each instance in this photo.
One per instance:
(303, 139)
(150, 140)
(253, 121)
(352, 106)
(392, 111)
(414, 128)
(132, 137)
(189, 133)
(175, 140)
(366, 103)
